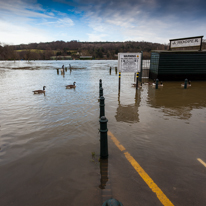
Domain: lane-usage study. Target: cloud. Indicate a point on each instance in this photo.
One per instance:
(17, 34)
(96, 37)
(22, 8)
(144, 20)
(27, 21)
(58, 22)
(108, 20)
(65, 22)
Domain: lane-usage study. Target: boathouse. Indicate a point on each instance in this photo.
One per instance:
(179, 64)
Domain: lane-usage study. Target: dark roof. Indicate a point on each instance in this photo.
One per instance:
(178, 51)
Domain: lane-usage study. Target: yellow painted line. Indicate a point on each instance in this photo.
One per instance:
(160, 195)
(201, 161)
(117, 143)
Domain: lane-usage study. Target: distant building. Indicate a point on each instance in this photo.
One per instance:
(61, 58)
(85, 57)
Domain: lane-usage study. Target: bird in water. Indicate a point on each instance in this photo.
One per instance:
(188, 84)
(147, 83)
(40, 91)
(154, 84)
(134, 85)
(71, 86)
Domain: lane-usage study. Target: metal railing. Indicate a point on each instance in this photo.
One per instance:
(145, 68)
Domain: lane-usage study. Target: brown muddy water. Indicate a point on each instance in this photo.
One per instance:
(50, 143)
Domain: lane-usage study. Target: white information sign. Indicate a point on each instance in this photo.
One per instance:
(185, 42)
(129, 62)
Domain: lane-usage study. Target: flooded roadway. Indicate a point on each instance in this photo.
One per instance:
(50, 144)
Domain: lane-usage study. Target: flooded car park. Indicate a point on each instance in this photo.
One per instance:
(50, 143)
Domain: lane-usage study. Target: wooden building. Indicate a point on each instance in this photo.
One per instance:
(178, 65)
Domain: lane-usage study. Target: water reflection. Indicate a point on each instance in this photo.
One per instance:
(105, 185)
(177, 101)
(40, 94)
(104, 173)
(129, 113)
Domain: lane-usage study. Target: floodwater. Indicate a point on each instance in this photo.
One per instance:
(49, 144)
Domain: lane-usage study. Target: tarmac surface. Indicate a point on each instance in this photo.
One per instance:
(50, 146)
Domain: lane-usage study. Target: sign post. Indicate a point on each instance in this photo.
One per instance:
(119, 80)
(141, 67)
(137, 76)
(129, 63)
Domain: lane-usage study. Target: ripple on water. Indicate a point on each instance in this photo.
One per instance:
(30, 122)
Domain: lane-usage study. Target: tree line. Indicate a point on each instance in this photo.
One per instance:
(75, 49)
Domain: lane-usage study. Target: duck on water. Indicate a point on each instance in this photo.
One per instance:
(160, 84)
(40, 91)
(188, 84)
(71, 85)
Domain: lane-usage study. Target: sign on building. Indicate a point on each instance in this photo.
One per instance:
(129, 62)
(186, 42)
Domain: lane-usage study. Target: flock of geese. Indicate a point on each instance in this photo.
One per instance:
(70, 86)
(149, 83)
